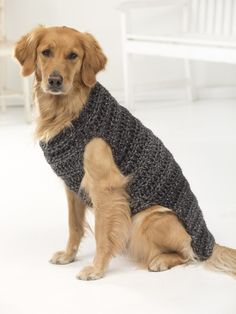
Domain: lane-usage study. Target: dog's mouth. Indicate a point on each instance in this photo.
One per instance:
(54, 91)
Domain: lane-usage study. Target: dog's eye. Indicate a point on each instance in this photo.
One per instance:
(72, 56)
(46, 52)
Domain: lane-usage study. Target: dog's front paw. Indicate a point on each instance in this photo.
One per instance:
(62, 258)
(90, 273)
(157, 265)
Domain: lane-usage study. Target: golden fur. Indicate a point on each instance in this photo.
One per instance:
(57, 111)
(155, 238)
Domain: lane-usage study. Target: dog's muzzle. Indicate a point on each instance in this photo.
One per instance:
(55, 82)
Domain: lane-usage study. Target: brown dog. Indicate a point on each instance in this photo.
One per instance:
(65, 63)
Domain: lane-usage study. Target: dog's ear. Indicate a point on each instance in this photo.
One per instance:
(25, 50)
(94, 59)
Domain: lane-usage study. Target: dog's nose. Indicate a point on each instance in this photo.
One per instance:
(55, 80)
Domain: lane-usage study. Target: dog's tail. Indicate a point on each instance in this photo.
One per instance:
(223, 259)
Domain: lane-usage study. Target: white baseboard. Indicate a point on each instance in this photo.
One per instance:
(221, 92)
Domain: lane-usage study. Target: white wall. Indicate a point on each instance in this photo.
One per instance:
(102, 19)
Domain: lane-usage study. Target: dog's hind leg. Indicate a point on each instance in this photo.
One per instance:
(158, 240)
(76, 219)
(106, 188)
(166, 261)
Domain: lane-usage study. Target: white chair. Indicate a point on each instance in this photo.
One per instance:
(6, 51)
(207, 34)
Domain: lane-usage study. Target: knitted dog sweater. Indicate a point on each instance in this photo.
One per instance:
(156, 178)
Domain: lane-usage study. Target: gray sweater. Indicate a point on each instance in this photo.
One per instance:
(156, 177)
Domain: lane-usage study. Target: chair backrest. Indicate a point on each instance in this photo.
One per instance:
(210, 17)
(2, 20)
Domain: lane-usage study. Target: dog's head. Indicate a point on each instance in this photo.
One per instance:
(61, 58)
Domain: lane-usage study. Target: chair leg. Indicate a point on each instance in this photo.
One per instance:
(191, 90)
(27, 102)
(2, 102)
(128, 82)
(2, 83)
(127, 62)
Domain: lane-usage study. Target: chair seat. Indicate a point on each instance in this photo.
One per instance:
(186, 46)
(6, 48)
(188, 39)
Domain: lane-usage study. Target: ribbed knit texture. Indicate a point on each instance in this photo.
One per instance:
(156, 177)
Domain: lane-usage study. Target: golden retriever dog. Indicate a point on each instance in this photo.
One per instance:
(65, 63)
